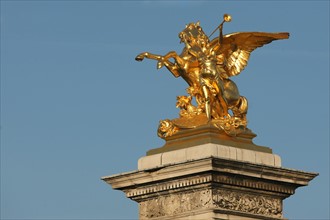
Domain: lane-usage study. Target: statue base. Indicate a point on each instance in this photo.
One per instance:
(208, 133)
(210, 181)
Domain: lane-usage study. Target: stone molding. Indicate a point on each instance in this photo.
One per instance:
(177, 184)
(218, 165)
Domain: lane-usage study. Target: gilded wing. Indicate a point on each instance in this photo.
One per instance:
(235, 49)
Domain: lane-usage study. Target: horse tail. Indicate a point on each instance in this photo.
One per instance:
(240, 110)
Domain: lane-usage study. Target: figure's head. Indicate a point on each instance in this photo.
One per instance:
(193, 34)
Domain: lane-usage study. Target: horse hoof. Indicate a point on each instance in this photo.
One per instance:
(160, 64)
(139, 57)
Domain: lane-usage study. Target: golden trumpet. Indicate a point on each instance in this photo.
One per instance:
(227, 18)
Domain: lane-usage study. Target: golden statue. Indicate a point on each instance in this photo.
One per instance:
(207, 65)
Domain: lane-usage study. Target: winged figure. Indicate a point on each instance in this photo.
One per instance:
(207, 65)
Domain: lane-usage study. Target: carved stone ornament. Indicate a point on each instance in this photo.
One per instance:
(249, 203)
(177, 203)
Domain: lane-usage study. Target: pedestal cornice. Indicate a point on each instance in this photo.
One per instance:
(210, 188)
(210, 165)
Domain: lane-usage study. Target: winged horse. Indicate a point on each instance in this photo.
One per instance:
(207, 65)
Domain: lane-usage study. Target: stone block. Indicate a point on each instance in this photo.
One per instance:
(265, 159)
(239, 154)
(206, 151)
(223, 151)
(173, 157)
(277, 161)
(249, 155)
(232, 153)
(202, 151)
(150, 162)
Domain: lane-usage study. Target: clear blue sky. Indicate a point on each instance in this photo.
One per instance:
(76, 106)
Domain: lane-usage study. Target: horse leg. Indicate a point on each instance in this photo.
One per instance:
(163, 61)
(172, 67)
(148, 55)
(171, 54)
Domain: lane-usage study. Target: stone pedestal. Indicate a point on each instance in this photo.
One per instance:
(210, 181)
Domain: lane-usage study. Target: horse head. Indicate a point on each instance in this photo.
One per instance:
(193, 35)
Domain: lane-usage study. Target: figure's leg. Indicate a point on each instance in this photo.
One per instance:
(223, 105)
(207, 102)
